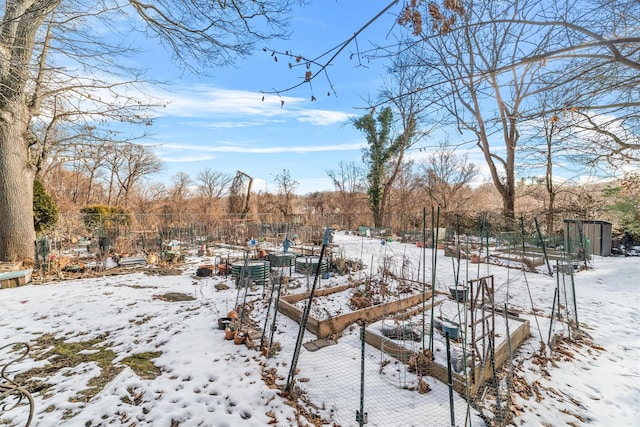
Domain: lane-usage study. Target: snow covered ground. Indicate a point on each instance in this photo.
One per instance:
(119, 350)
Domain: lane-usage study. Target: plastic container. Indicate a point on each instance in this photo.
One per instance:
(452, 330)
(459, 293)
(223, 322)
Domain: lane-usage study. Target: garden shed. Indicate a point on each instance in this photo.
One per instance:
(595, 236)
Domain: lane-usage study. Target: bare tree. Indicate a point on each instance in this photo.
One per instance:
(88, 162)
(179, 193)
(130, 163)
(405, 212)
(147, 198)
(319, 205)
(597, 139)
(488, 58)
(495, 56)
(286, 188)
(402, 91)
(549, 127)
(444, 176)
(94, 158)
(488, 105)
(592, 72)
(212, 186)
(35, 33)
(349, 182)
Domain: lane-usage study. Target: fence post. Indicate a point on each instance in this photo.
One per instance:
(361, 416)
(305, 314)
(452, 416)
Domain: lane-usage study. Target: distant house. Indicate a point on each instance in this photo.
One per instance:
(590, 236)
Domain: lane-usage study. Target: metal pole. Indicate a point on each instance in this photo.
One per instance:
(434, 223)
(450, 381)
(424, 275)
(553, 306)
(575, 303)
(305, 314)
(266, 317)
(582, 250)
(275, 315)
(493, 367)
(361, 416)
(544, 248)
(510, 377)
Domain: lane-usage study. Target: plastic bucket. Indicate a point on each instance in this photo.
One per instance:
(452, 330)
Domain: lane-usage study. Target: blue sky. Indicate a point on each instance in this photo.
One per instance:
(221, 122)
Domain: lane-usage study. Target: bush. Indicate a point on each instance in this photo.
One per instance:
(105, 220)
(45, 211)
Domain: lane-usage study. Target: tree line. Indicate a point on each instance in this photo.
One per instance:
(443, 180)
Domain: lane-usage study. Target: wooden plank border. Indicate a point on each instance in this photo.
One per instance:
(439, 372)
(336, 324)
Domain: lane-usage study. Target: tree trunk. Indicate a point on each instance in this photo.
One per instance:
(378, 217)
(549, 178)
(18, 29)
(506, 187)
(509, 204)
(550, 214)
(17, 234)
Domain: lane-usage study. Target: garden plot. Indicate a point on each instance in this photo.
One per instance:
(398, 324)
(358, 294)
(488, 334)
(333, 309)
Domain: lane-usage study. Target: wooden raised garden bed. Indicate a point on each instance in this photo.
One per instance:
(338, 323)
(477, 374)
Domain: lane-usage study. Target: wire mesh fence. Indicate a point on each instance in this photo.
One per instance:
(443, 358)
(422, 328)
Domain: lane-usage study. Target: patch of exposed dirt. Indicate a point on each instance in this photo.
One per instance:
(164, 271)
(174, 297)
(60, 355)
(142, 365)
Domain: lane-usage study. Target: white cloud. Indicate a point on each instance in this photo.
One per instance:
(211, 102)
(234, 148)
(186, 159)
(235, 124)
(201, 101)
(323, 117)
